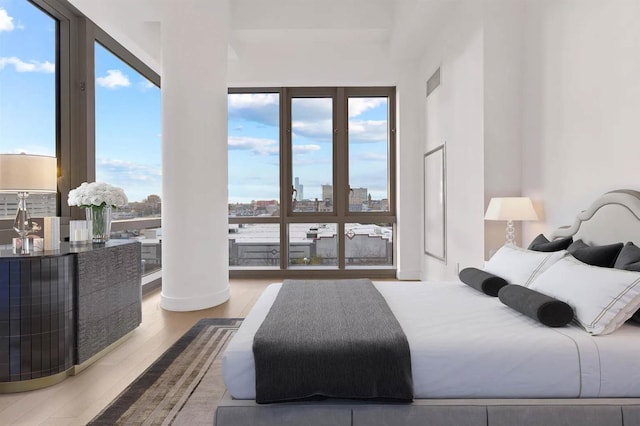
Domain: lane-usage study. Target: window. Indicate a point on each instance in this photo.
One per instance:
(312, 153)
(28, 92)
(47, 101)
(368, 244)
(127, 132)
(311, 188)
(254, 245)
(368, 154)
(313, 245)
(254, 154)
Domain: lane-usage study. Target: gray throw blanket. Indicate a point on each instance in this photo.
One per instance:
(334, 338)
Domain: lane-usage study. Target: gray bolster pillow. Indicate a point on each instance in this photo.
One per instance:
(545, 309)
(482, 281)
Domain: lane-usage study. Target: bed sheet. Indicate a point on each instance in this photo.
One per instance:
(465, 344)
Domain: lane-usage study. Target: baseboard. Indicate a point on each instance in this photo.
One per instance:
(408, 275)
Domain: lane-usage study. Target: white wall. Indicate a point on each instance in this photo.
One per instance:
(365, 64)
(121, 20)
(453, 113)
(315, 64)
(581, 122)
(503, 61)
(478, 112)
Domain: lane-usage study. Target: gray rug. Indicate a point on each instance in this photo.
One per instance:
(182, 387)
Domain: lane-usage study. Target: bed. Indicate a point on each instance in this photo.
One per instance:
(475, 360)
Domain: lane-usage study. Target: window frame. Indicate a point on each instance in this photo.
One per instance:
(309, 93)
(96, 35)
(66, 57)
(340, 214)
(282, 198)
(372, 92)
(75, 108)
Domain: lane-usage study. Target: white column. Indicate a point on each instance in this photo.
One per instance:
(194, 154)
(410, 92)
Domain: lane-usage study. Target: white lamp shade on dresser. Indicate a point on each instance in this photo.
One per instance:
(27, 173)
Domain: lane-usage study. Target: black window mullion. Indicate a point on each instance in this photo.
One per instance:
(285, 176)
(341, 170)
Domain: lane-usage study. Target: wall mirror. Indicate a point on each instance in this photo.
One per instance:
(435, 203)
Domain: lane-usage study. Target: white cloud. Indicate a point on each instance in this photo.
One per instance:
(359, 105)
(312, 117)
(317, 129)
(367, 131)
(261, 108)
(360, 131)
(31, 66)
(137, 179)
(135, 171)
(113, 80)
(372, 156)
(145, 85)
(6, 21)
(257, 146)
(309, 161)
(252, 100)
(312, 109)
(305, 149)
(301, 157)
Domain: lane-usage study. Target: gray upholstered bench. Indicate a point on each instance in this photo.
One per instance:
(433, 412)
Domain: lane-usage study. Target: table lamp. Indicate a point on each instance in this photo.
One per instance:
(22, 174)
(510, 209)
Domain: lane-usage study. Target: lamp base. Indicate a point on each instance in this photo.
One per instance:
(511, 233)
(21, 246)
(22, 222)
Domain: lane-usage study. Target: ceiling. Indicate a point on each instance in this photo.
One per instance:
(402, 26)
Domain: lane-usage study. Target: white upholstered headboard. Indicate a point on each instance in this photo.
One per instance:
(612, 218)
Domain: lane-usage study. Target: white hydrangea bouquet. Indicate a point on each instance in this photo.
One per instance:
(98, 199)
(98, 194)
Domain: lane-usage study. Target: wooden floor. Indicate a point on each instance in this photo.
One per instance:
(79, 398)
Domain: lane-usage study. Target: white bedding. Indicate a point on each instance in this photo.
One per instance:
(465, 344)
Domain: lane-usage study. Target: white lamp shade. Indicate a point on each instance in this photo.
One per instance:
(510, 208)
(27, 173)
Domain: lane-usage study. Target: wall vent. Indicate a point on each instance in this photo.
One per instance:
(433, 82)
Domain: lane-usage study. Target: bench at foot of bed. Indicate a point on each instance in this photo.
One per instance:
(433, 412)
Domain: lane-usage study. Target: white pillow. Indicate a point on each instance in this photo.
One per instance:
(602, 298)
(521, 266)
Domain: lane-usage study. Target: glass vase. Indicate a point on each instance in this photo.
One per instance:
(100, 217)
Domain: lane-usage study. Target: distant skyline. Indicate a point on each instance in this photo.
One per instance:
(128, 117)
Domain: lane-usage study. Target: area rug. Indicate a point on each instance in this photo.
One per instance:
(182, 387)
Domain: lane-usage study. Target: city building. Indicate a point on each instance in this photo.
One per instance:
(327, 194)
(299, 189)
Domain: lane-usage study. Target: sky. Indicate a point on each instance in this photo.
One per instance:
(254, 135)
(128, 116)
(128, 121)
